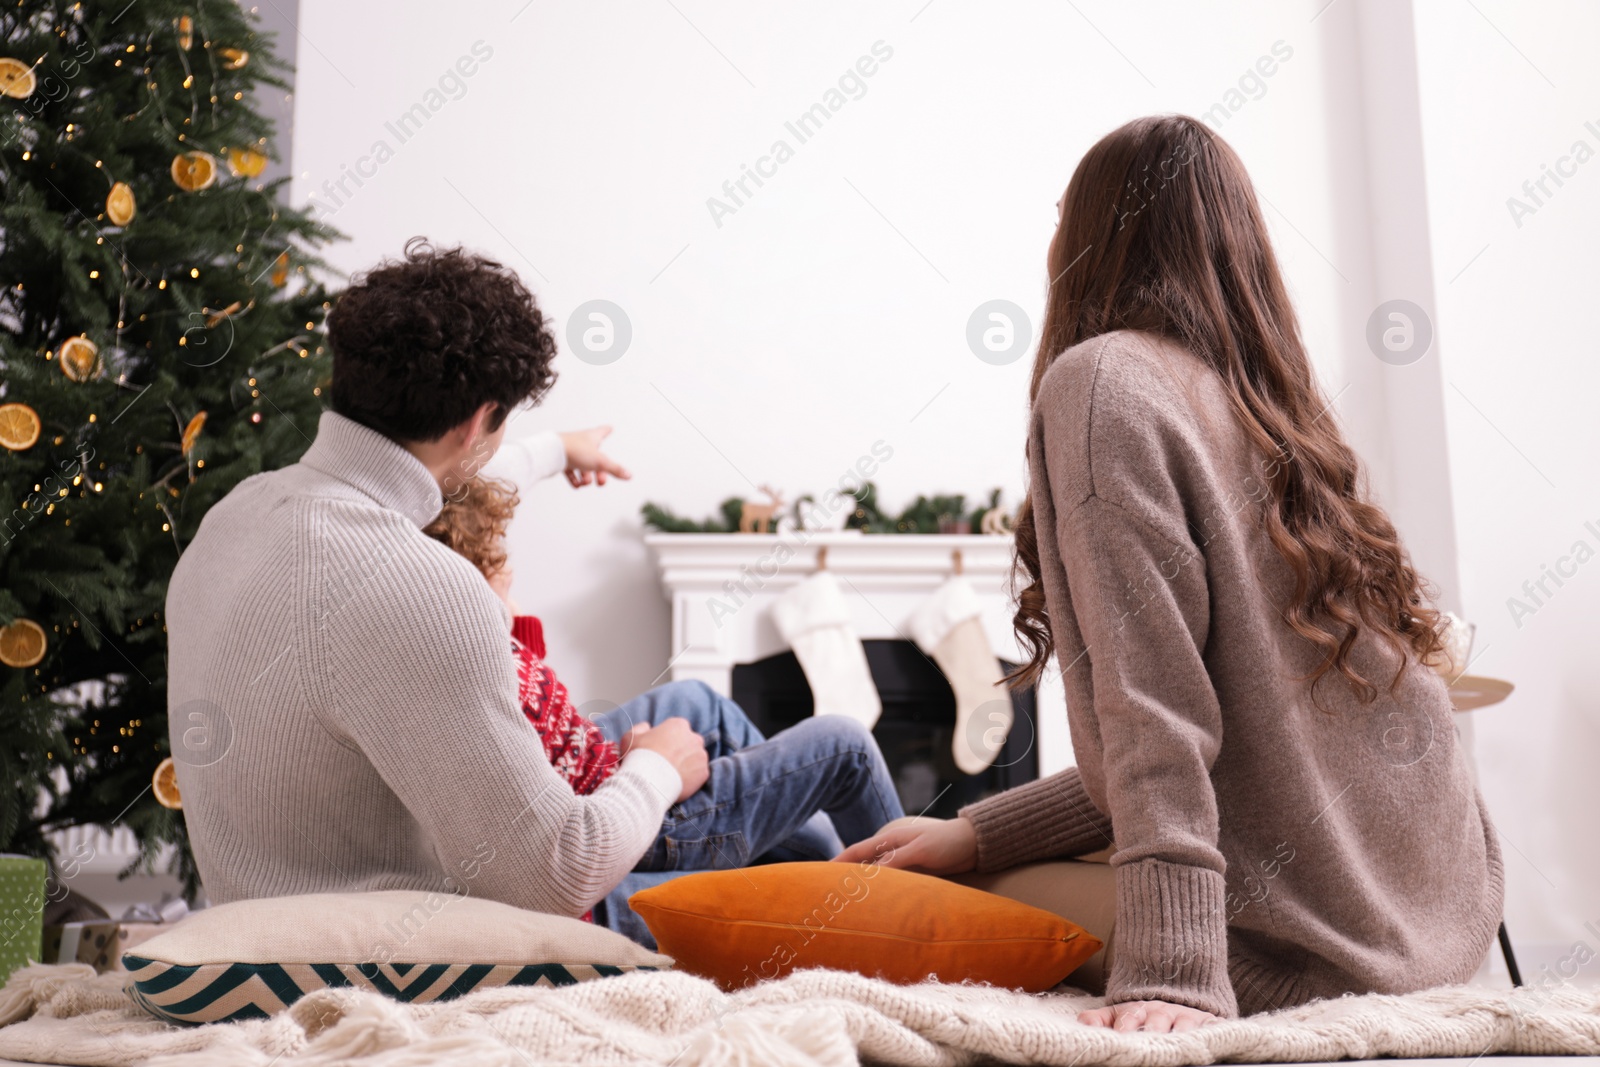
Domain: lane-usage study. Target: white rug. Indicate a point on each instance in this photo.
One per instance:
(67, 1014)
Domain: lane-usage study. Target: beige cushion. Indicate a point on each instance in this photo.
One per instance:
(1082, 891)
(251, 958)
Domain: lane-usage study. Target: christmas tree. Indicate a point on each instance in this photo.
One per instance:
(160, 341)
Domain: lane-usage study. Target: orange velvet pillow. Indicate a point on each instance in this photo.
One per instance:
(739, 927)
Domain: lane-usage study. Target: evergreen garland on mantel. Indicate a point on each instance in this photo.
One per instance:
(944, 513)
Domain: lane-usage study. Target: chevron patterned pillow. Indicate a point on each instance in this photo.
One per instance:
(251, 958)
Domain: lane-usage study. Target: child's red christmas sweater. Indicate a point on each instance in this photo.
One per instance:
(577, 749)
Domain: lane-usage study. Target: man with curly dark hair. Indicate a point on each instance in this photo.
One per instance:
(421, 344)
(353, 676)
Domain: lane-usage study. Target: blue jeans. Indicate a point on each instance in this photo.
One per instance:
(793, 797)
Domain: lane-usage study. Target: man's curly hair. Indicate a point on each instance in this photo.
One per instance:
(421, 343)
(473, 523)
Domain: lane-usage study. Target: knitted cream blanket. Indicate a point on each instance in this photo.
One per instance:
(67, 1014)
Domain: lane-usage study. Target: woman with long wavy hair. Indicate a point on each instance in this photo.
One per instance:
(1243, 639)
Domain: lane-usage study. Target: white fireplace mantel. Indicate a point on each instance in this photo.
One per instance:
(722, 586)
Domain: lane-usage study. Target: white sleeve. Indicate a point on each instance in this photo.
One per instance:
(526, 460)
(656, 769)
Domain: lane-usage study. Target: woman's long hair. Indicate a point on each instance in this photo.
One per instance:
(1161, 232)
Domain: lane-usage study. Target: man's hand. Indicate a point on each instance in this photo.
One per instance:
(1148, 1016)
(586, 463)
(932, 846)
(683, 748)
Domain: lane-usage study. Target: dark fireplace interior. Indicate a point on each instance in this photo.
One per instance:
(915, 731)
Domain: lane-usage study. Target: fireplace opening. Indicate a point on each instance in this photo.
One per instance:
(915, 731)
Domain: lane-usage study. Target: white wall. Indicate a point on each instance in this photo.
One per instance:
(830, 310)
(779, 346)
(1507, 90)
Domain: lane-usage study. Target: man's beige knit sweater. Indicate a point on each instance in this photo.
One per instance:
(1267, 852)
(343, 704)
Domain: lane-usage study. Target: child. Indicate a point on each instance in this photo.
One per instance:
(792, 797)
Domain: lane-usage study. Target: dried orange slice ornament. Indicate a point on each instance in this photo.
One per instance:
(120, 204)
(191, 432)
(164, 784)
(16, 79)
(194, 171)
(234, 58)
(19, 426)
(246, 162)
(22, 644)
(80, 358)
(280, 270)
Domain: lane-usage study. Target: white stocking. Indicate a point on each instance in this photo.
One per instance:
(814, 618)
(947, 628)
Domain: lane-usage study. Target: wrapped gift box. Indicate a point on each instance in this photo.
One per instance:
(99, 944)
(21, 911)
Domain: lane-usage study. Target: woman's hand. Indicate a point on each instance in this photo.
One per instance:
(1148, 1016)
(586, 463)
(915, 843)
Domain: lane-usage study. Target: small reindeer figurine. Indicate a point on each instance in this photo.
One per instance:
(758, 518)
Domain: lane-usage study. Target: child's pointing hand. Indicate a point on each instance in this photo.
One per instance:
(586, 463)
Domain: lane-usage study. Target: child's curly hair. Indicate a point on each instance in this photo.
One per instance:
(474, 522)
